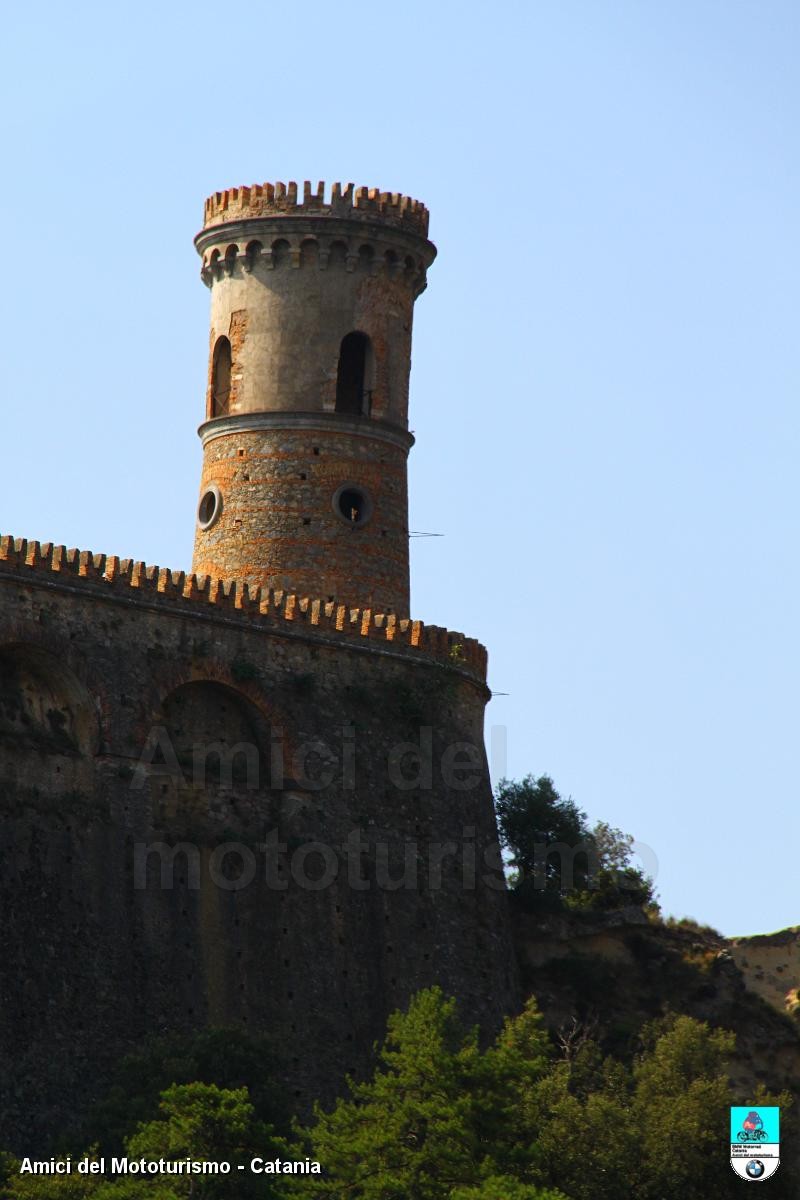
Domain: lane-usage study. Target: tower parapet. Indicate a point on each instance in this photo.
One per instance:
(280, 199)
(306, 438)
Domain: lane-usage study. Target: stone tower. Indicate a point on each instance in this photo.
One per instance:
(306, 435)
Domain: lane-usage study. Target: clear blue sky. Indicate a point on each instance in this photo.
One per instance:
(605, 380)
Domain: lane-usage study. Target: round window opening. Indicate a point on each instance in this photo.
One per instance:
(209, 508)
(352, 504)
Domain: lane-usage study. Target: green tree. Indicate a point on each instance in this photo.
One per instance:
(207, 1123)
(557, 858)
(198, 1121)
(45, 1187)
(682, 1096)
(444, 1120)
(657, 1131)
(503, 1187)
(532, 815)
(586, 1142)
(615, 881)
(229, 1058)
(438, 1115)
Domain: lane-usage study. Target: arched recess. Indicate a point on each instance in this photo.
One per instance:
(252, 254)
(216, 742)
(216, 759)
(49, 731)
(338, 255)
(221, 378)
(281, 253)
(355, 375)
(309, 252)
(366, 258)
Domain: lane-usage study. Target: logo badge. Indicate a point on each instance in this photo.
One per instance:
(755, 1141)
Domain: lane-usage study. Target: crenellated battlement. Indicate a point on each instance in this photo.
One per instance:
(281, 200)
(263, 606)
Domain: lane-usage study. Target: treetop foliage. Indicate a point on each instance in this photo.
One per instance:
(558, 860)
(444, 1119)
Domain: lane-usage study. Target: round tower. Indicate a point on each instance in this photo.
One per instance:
(306, 440)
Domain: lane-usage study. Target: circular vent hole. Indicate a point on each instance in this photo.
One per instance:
(209, 508)
(352, 504)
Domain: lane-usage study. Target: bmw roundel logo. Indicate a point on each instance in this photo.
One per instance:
(755, 1168)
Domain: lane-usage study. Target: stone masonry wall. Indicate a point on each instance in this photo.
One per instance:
(285, 297)
(141, 707)
(278, 525)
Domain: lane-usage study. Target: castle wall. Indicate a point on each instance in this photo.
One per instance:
(140, 707)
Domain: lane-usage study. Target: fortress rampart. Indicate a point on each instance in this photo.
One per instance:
(264, 607)
(161, 738)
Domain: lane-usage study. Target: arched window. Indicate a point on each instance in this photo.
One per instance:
(353, 383)
(221, 378)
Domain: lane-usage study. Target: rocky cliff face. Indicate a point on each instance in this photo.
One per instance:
(770, 967)
(606, 975)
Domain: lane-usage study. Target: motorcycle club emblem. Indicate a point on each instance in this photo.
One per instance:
(755, 1142)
